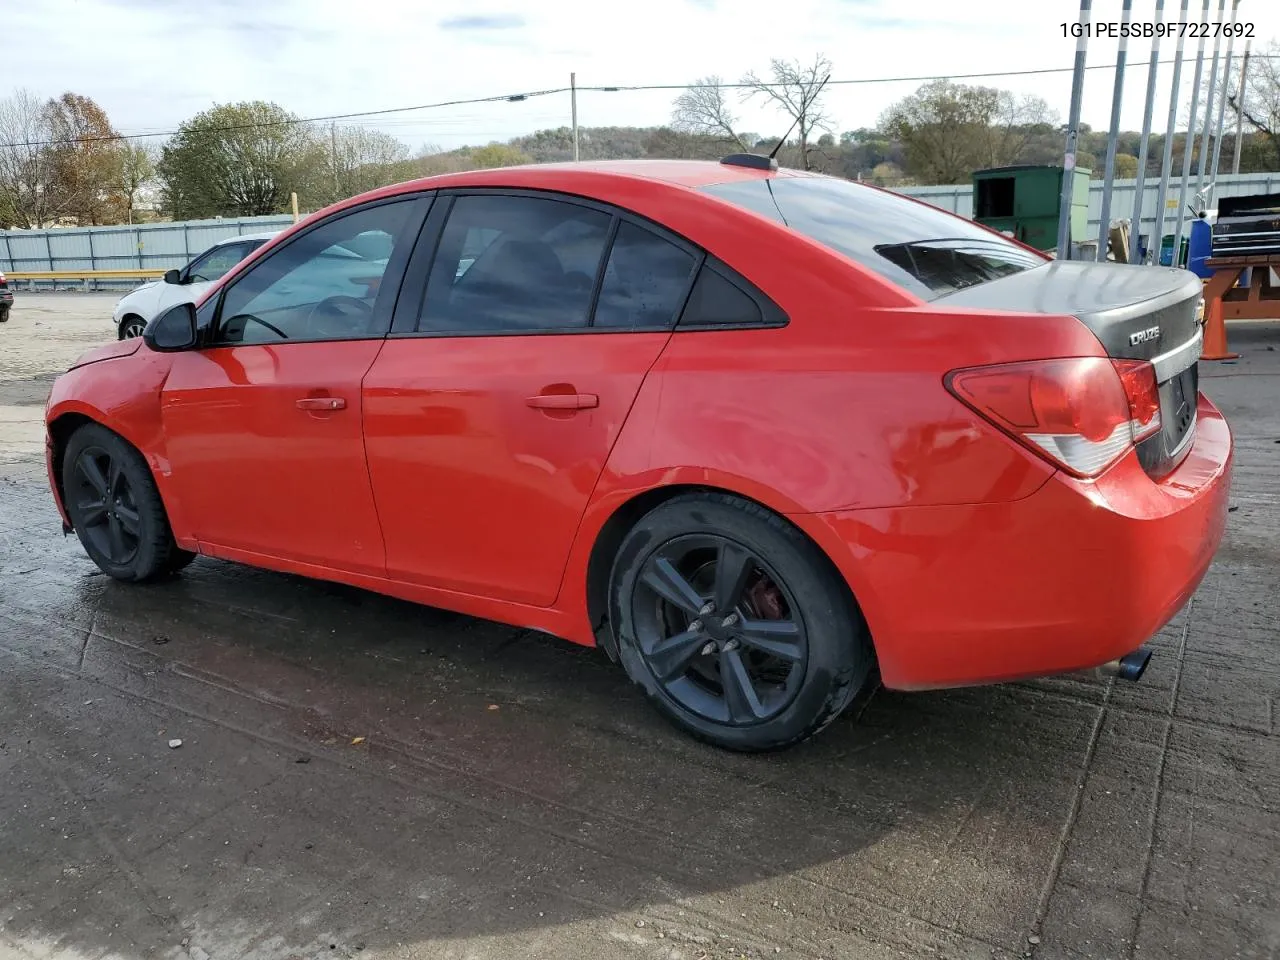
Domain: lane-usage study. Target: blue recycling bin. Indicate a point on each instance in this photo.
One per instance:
(1200, 247)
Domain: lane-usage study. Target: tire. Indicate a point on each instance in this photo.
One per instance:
(709, 586)
(115, 508)
(4, 314)
(130, 326)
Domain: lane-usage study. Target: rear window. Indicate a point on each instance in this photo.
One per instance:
(922, 249)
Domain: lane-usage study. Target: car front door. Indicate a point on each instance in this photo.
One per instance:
(262, 426)
(491, 411)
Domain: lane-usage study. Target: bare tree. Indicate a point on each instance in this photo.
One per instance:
(703, 109)
(362, 159)
(795, 89)
(1261, 107)
(86, 158)
(29, 196)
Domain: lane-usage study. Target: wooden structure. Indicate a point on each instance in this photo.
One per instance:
(1224, 301)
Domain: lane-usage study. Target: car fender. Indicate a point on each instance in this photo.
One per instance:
(122, 394)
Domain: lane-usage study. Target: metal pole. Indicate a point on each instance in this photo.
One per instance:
(1139, 188)
(1073, 135)
(333, 161)
(1222, 99)
(1244, 74)
(1189, 143)
(1104, 227)
(573, 106)
(1167, 162)
(1202, 160)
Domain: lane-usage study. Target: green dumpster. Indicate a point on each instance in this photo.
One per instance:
(1025, 200)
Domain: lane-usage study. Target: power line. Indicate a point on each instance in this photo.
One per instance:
(518, 97)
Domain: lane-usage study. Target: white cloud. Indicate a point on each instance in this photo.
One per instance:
(153, 63)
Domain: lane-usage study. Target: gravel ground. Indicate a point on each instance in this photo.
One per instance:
(360, 777)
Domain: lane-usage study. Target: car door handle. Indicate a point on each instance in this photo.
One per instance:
(564, 401)
(321, 403)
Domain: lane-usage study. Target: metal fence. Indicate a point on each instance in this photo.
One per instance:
(145, 246)
(160, 246)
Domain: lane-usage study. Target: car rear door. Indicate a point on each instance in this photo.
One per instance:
(262, 427)
(506, 380)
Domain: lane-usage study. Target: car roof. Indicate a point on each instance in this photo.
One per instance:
(684, 173)
(579, 176)
(239, 238)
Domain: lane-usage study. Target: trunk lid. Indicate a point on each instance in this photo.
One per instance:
(1137, 313)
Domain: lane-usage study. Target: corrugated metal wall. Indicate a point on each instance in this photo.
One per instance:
(164, 245)
(150, 246)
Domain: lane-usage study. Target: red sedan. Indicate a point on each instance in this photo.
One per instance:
(755, 432)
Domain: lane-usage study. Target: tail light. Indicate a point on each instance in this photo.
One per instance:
(1081, 414)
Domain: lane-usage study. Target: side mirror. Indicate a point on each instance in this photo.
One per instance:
(173, 330)
(173, 276)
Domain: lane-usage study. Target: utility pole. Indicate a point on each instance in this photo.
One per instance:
(573, 106)
(1244, 74)
(1139, 188)
(333, 160)
(1104, 228)
(1222, 101)
(1073, 136)
(1157, 239)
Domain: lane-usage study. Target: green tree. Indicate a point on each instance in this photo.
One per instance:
(498, 155)
(240, 159)
(1126, 166)
(134, 172)
(948, 130)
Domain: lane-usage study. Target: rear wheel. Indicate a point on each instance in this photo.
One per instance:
(4, 314)
(735, 625)
(131, 326)
(115, 508)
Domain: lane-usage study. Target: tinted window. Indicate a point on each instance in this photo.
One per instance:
(716, 301)
(213, 264)
(514, 265)
(922, 249)
(321, 286)
(644, 281)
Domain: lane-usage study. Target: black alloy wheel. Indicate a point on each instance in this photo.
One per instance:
(103, 502)
(113, 504)
(734, 623)
(715, 626)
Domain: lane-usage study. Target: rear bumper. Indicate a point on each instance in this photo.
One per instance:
(1070, 577)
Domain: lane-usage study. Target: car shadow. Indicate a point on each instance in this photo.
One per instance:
(360, 772)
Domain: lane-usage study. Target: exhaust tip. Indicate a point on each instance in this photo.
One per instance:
(1130, 667)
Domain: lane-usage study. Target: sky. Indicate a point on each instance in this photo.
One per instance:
(153, 63)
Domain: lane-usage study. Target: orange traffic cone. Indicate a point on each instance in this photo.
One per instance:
(1215, 333)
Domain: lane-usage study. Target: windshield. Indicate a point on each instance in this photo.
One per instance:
(923, 249)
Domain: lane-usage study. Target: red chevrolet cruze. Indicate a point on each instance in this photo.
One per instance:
(755, 432)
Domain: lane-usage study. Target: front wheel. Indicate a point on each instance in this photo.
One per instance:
(735, 625)
(131, 327)
(115, 508)
(4, 314)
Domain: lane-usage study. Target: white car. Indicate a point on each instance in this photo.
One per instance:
(182, 286)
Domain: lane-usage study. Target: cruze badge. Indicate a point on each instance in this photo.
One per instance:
(1144, 336)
